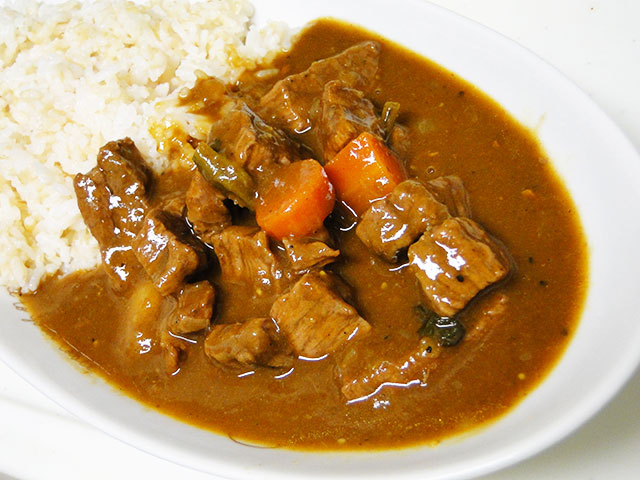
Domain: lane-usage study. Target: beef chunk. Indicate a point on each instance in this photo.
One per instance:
(289, 103)
(113, 202)
(345, 115)
(194, 308)
(450, 191)
(205, 208)
(157, 321)
(315, 319)
(174, 349)
(173, 205)
(93, 197)
(307, 254)
(248, 140)
(124, 168)
(454, 261)
(167, 251)
(394, 222)
(245, 257)
(254, 342)
(363, 370)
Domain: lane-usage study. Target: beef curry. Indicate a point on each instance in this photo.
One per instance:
(366, 252)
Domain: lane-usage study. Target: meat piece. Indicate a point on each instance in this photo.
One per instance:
(454, 261)
(247, 139)
(315, 319)
(173, 205)
(113, 202)
(194, 308)
(205, 208)
(124, 168)
(363, 372)
(174, 349)
(93, 197)
(394, 222)
(145, 332)
(254, 342)
(167, 251)
(450, 191)
(245, 257)
(157, 321)
(345, 115)
(307, 254)
(288, 104)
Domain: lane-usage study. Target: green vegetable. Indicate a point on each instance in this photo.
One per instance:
(225, 174)
(390, 112)
(448, 331)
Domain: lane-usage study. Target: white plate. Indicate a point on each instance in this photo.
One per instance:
(600, 168)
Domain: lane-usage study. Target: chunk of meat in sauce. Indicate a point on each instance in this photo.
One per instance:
(112, 198)
(255, 342)
(454, 261)
(175, 349)
(345, 114)
(173, 205)
(206, 211)
(124, 168)
(194, 308)
(167, 251)
(157, 320)
(245, 257)
(315, 319)
(307, 254)
(247, 139)
(147, 313)
(363, 371)
(450, 191)
(289, 103)
(393, 223)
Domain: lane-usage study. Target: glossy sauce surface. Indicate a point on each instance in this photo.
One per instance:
(514, 194)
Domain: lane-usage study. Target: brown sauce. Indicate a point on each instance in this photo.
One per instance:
(514, 194)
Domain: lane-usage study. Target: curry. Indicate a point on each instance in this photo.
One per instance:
(335, 334)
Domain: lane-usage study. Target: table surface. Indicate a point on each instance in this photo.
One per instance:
(597, 45)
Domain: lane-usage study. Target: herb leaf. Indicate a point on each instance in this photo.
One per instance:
(448, 331)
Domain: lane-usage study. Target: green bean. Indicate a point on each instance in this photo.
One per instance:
(225, 174)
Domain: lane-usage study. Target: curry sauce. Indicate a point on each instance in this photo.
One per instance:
(515, 195)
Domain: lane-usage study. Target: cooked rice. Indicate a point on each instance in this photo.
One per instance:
(76, 75)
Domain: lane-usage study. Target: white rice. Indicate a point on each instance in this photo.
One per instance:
(76, 75)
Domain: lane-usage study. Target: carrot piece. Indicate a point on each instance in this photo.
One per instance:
(296, 201)
(363, 171)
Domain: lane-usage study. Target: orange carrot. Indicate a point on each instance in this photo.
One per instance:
(363, 171)
(296, 201)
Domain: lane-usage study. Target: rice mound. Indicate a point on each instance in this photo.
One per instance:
(76, 75)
